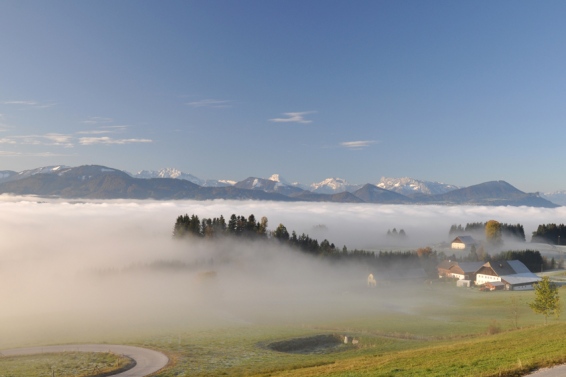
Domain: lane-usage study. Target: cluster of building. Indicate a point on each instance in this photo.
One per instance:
(510, 275)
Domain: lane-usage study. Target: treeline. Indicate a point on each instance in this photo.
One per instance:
(249, 228)
(507, 230)
(530, 258)
(550, 233)
(239, 226)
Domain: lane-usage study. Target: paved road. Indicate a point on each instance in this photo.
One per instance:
(557, 371)
(147, 361)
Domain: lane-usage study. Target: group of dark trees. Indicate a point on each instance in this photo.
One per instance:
(530, 258)
(239, 226)
(249, 228)
(400, 235)
(550, 233)
(515, 231)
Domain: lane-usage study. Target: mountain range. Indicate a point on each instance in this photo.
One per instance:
(100, 182)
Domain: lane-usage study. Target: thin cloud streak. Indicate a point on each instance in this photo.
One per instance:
(28, 103)
(211, 103)
(97, 120)
(34, 104)
(360, 144)
(38, 154)
(296, 117)
(108, 141)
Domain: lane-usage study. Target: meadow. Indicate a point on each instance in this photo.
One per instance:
(443, 331)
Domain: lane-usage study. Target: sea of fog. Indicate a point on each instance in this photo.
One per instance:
(78, 270)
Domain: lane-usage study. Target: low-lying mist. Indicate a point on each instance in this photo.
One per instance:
(94, 271)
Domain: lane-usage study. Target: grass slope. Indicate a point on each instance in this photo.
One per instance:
(77, 364)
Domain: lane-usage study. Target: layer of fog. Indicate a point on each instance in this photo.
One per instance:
(79, 271)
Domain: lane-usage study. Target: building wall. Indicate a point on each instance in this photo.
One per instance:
(527, 287)
(458, 276)
(458, 245)
(482, 279)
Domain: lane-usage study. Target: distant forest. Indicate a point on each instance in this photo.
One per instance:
(249, 228)
(550, 233)
(507, 230)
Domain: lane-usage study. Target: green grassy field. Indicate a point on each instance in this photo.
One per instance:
(437, 330)
(79, 364)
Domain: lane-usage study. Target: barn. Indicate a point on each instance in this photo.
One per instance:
(513, 274)
(459, 270)
(463, 242)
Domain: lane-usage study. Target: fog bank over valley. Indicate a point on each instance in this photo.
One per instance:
(92, 271)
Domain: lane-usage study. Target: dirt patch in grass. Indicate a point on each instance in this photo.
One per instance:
(317, 344)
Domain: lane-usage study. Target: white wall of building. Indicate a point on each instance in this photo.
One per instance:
(482, 279)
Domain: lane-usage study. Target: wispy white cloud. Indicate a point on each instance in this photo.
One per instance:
(360, 144)
(28, 103)
(294, 118)
(212, 103)
(34, 104)
(60, 139)
(108, 140)
(7, 141)
(53, 139)
(38, 154)
(104, 130)
(98, 120)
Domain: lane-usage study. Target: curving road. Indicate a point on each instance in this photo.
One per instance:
(147, 361)
(556, 371)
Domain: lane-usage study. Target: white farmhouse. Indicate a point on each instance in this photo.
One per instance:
(462, 242)
(513, 274)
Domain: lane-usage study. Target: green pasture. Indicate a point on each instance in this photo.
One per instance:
(79, 364)
(436, 330)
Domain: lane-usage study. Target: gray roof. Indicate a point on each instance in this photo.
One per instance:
(513, 272)
(518, 266)
(466, 240)
(495, 283)
(469, 267)
(520, 279)
(501, 268)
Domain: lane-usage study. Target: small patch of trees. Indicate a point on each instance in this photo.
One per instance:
(493, 233)
(550, 233)
(400, 235)
(208, 228)
(515, 231)
(530, 258)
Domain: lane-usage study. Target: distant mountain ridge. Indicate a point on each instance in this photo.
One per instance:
(100, 182)
(411, 187)
(558, 197)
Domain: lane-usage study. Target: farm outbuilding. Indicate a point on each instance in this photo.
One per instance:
(464, 283)
(463, 242)
(495, 286)
(459, 270)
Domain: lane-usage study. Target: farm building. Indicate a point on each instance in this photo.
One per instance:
(495, 286)
(463, 242)
(459, 270)
(513, 274)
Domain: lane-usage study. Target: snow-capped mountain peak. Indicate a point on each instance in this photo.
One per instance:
(410, 186)
(278, 178)
(333, 185)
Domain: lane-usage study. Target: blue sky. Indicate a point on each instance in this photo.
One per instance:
(451, 91)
